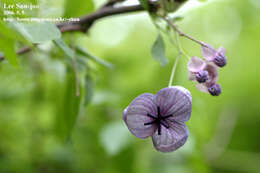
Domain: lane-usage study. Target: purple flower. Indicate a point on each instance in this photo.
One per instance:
(206, 74)
(161, 116)
(202, 72)
(216, 56)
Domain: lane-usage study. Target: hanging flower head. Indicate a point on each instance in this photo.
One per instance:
(216, 56)
(206, 74)
(161, 116)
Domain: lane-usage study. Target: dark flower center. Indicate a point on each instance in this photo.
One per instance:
(202, 76)
(215, 90)
(159, 120)
(220, 60)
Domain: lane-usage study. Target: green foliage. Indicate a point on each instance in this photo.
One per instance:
(65, 48)
(158, 51)
(89, 89)
(85, 53)
(77, 8)
(78, 91)
(167, 5)
(38, 32)
(177, 18)
(7, 43)
(70, 106)
(145, 4)
(7, 46)
(27, 12)
(114, 137)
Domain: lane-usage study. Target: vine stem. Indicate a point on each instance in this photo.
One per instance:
(177, 59)
(174, 69)
(170, 23)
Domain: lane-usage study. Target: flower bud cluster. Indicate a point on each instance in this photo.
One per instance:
(205, 72)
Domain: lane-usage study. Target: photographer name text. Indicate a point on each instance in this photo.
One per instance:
(18, 8)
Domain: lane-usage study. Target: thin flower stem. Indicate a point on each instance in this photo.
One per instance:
(176, 61)
(178, 42)
(185, 55)
(180, 49)
(180, 46)
(180, 52)
(172, 41)
(182, 33)
(174, 69)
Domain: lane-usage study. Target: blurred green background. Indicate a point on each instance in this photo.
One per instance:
(224, 130)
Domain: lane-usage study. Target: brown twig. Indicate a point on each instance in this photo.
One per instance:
(23, 50)
(182, 34)
(86, 22)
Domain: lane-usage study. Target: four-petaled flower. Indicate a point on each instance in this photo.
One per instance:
(161, 116)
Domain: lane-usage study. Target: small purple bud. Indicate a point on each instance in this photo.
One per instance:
(215, 90)
(202, 76)
(220, 60)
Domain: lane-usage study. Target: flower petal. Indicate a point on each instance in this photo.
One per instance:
(175, 101)
(213, 74)
(202, 87)
(222, 50)
(125, 113)
(135, 115)
(208, 52)
(172, 138)
(196, 64)
(192, 76)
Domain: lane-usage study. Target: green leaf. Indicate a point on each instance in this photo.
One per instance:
(65, 48)
(115, 137)
(71, 104)
(145, 4)
(38, 32)
(158, 51)
(70, 107)
(82, 63)
(76, 8)
(8, 31)
(7, 43)
(7, 46)
(85, 53)
(8, 38)
(177, 18)
(88, 89)
(167, 6)
(5, 32)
